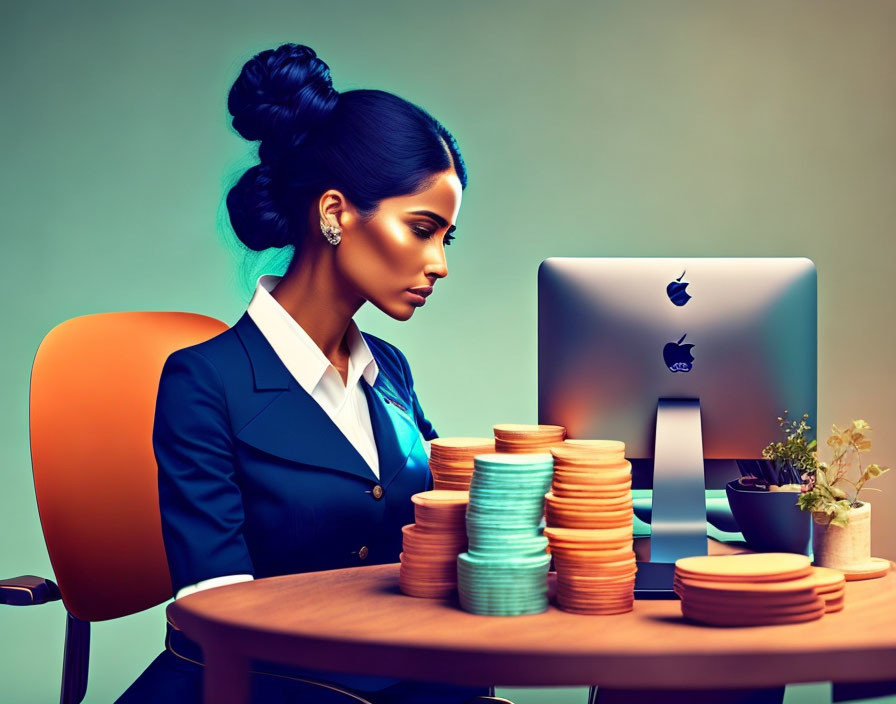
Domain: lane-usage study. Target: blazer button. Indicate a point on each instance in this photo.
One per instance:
(377, 492)
(362, 553)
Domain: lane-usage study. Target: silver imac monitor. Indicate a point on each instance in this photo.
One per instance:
(689, 361)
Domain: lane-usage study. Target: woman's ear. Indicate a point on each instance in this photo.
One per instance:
(335, 209)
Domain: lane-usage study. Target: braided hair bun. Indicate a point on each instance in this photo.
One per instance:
(279, 97)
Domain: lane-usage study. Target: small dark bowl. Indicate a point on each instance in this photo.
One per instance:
(770, 520)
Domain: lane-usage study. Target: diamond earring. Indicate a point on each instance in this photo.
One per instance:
(333, 234)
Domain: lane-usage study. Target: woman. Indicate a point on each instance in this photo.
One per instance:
(292, 442)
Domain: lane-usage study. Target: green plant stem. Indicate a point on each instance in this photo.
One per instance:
(861, 481)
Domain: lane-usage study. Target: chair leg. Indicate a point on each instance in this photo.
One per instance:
(592, 694)
(75, 660)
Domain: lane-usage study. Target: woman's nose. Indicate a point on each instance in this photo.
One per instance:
(437, 265)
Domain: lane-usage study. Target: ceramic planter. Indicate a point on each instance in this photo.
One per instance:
(843, 548)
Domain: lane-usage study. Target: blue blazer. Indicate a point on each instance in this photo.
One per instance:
(255, 478)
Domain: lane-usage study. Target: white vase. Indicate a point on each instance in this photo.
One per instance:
(842, 548)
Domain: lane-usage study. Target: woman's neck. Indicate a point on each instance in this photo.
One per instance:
(311, 293)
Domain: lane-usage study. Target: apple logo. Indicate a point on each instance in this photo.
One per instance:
(677, 291)
(677, 356)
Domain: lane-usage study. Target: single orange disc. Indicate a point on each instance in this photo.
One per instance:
(440, 498)
(770, 565)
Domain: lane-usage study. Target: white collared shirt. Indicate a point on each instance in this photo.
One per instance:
(344, 403)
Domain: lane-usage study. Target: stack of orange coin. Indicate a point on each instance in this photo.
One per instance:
(591, 487)
(830, 585)
(510, 437)
(595, 569)
(589, 517)
(451, 460)
(432, 543)
(755, 589)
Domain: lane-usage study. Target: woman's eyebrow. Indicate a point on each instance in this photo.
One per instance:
(438, 218)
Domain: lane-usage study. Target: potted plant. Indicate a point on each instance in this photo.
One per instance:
(831, 494)
(762, 500)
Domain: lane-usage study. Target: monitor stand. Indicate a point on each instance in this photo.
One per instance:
(678, 513)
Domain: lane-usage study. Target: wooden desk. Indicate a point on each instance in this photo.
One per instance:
(356, 619)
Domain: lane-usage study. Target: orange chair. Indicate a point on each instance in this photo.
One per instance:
(93, 390)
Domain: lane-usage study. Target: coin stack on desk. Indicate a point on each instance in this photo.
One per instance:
(431, 544)
(451, 460)
(514, 438)
(519, 439)
(756, 589)
(830, 585)
(589, 526)
(504, 572)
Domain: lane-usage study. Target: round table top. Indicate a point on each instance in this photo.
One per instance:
(356, 620)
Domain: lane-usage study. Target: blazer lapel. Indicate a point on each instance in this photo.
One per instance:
(395, 431)
(292, 425)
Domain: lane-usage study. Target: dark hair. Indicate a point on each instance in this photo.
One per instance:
(369, 144)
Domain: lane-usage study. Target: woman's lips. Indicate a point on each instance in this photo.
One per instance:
(418, 294)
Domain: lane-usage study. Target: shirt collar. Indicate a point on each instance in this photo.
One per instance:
(301, 355)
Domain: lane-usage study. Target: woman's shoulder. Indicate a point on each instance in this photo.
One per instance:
(215, 351)
(219, 362)
(213, 374)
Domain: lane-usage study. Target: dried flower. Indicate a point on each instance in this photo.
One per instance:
(828, 491)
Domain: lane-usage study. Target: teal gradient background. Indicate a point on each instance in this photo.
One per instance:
(653, 128)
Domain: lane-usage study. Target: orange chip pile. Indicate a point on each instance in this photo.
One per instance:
(510, 437)
(756, 589)
(432, 543)
(589, 527)
(451, 460)
(591, 487)
(830, 585)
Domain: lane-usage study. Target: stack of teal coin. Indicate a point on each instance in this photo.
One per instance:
(504, 571)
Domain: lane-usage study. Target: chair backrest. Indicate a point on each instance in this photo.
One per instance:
(93, 391)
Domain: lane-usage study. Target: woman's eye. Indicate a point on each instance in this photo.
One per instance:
(426, 234)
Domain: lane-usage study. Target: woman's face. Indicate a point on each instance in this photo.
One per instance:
(395, 258)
